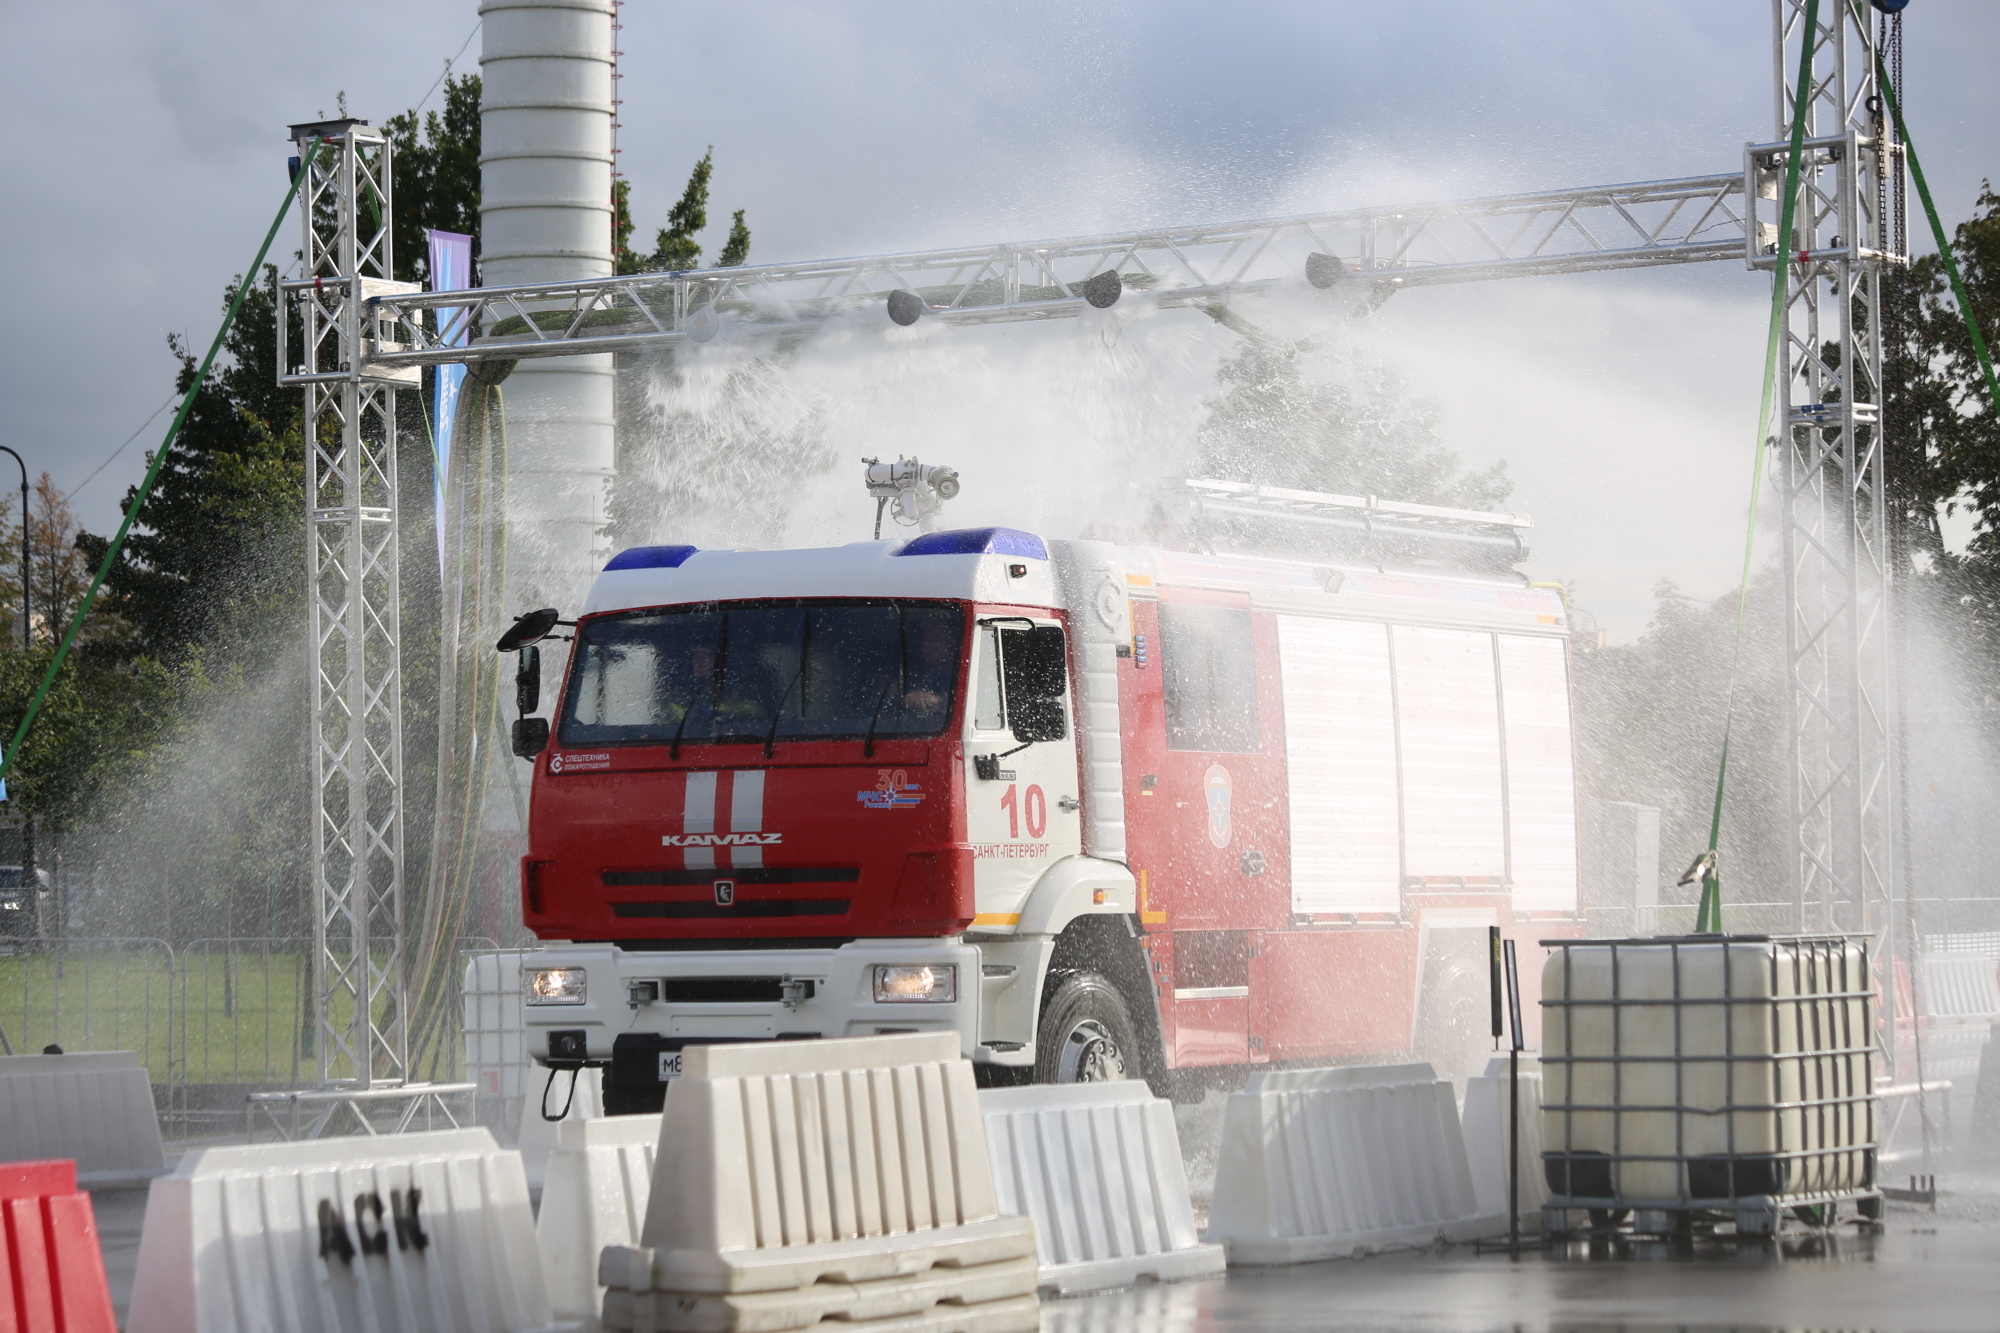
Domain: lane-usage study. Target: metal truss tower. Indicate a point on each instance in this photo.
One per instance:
(355, 640)
(1837, 551)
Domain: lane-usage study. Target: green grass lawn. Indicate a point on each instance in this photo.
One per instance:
(234, 1017)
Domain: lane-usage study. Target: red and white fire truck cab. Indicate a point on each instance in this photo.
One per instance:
(1102, 812)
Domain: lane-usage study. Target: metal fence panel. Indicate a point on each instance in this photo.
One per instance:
(218, 1019)
(90, 995)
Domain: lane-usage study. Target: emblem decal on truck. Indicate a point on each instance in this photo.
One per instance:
(1215, 785)
(892, 790)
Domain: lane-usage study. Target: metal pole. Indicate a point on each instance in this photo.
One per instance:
(1513, 1108)
(1514, 1152)
(26, 622)
(27, 642)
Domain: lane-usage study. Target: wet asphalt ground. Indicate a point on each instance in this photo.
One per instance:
(1933, 1271)
(1924, 1272)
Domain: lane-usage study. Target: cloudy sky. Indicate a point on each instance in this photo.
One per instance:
(147, 154)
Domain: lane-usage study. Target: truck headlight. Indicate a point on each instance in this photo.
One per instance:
(925, 983)
(558, 985)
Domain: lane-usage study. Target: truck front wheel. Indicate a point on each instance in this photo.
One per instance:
(1086, 1033)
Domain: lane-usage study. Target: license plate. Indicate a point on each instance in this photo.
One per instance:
(670, 1065)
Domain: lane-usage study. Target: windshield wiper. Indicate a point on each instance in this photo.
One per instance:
(902, 654)
(715, 685)
(687, 711)
(778, 713)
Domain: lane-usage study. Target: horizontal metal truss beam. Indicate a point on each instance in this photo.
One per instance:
(1563, 231)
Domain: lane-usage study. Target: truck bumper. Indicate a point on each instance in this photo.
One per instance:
(638, 1004)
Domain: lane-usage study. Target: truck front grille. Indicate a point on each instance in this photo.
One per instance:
(621, 879)
(728, 990)
(740, 908)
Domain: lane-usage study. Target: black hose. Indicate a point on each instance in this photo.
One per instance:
(568, 1101)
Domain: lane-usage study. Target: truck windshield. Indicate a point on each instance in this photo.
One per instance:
(759, 671)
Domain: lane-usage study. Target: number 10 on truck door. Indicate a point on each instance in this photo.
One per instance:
(1034, 806)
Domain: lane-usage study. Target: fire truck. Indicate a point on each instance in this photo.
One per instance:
(1103, 811)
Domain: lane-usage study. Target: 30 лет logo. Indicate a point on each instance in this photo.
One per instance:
(893, 790)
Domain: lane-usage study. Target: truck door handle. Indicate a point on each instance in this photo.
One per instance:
(1068, 804)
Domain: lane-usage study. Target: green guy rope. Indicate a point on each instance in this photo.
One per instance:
(1708, 916)
(1937, 230)
(117, 545)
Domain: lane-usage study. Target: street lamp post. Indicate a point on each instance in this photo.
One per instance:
(27, 624)
(28, 884)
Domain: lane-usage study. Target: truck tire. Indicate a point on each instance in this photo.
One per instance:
(1086, 1033)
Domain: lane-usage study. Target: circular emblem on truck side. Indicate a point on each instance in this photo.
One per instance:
(1109, 604)
(1215, 785)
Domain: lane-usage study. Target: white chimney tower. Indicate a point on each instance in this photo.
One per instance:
(545, 216)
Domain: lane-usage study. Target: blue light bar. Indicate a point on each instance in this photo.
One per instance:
(978, 541)
(651, 557)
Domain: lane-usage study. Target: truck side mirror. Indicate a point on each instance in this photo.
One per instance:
(1035, 676)
(528, 627)
(531, 736)
(528, 680)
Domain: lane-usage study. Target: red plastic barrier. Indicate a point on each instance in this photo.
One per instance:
(51, 1267)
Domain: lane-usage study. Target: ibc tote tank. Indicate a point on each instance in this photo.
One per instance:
(1707, 1071)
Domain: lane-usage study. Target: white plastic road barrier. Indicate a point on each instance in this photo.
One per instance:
(1320, 1163)
(412, 1233)
(811, 1180)
(1960, 985)
(599, 1179)
(1098, 1168)
(1986, 1097)
(95, 1108)
(1485, 1124)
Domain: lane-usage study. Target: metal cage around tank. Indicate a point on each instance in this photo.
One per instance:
(1790, 1084)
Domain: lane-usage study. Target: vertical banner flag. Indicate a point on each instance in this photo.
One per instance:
(451, 271)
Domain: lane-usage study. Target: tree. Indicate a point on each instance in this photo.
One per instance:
(722, 463)
(216, 560)
(1290, 415)
(60, 570)
(1943, 447)
(1967, 435)
(436, 175)
(1650, 714)
(1649, 731)
(675, 249)
(103, 710)
(215, 797)
(97, 731)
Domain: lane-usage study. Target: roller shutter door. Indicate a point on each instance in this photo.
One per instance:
(1448, 706)
(1541, 786)
(1340, 751)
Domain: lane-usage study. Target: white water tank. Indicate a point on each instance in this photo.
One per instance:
(1707, 1068)
(545, 216)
